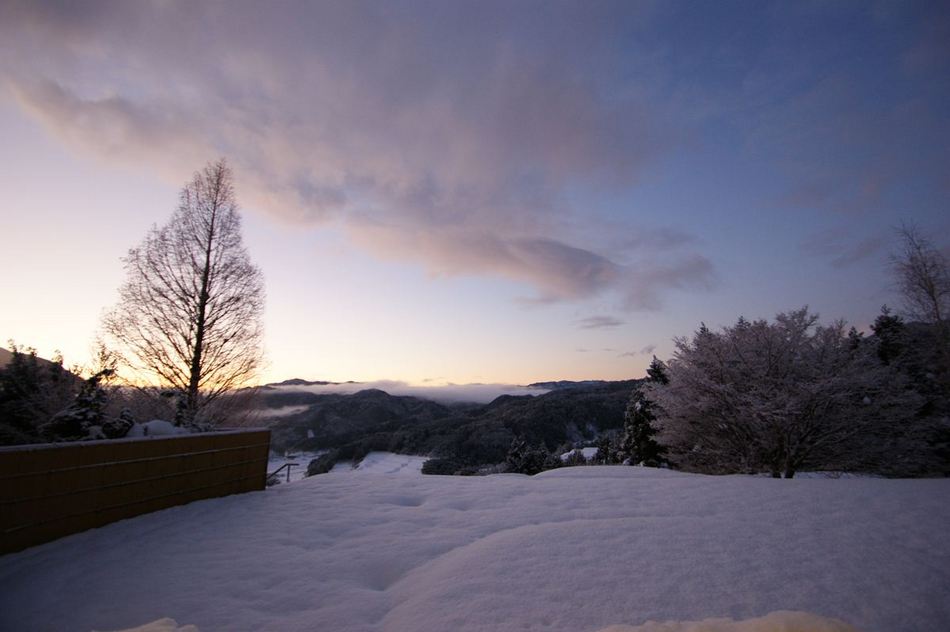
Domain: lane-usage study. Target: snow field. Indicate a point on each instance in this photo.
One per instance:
(572, 550)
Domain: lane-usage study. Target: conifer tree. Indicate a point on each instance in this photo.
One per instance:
(85, 413)
(889, 330)
(637, 444)
(32, 391)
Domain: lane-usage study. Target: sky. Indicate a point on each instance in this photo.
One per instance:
(491, 192)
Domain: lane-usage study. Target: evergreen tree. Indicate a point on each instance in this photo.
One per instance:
(32, 390)
(637, 444)
(607, 451)
(86, 412)
(656, 372)
(855, 339)
(889, 330)
(526, 460)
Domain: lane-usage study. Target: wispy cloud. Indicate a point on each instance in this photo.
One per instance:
(840, 248)
(647, 350)
(599, 322)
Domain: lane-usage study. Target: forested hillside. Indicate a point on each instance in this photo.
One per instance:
(465, 435)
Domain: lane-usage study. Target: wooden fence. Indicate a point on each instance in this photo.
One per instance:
(51, 490)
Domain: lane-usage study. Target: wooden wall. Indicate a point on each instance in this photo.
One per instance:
(51, 490)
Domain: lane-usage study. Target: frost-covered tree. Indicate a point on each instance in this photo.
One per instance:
(189, 312)
(637, 444)
(777, 397)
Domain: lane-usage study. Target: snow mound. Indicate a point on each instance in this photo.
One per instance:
(155, 428)
(780, 621)
(573, 550)
(162, 625)
(614, 471)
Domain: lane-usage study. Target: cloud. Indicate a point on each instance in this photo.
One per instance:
(647, 281)
(839, 247)
(658, 239)
(356, 114)
(599, 322)
(647, 350)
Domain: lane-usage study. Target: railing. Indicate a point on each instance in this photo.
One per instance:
(273, 475)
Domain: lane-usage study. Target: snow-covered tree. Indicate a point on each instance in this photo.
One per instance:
(776, 397)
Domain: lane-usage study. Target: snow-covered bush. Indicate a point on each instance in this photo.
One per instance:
(777, 397)
(323, 463)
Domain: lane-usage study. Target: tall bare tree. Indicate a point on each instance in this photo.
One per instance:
(923, 276)
(189, 312)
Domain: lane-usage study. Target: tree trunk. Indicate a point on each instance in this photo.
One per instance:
(195, 376)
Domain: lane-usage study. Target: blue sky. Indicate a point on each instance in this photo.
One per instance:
(491, 192)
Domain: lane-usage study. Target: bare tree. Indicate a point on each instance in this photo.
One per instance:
(923, 277)
(189, 312)
(777, 397)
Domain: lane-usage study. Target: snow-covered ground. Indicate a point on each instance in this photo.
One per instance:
(373, 463)
(385, 463)
(298, 472)
(576, 549)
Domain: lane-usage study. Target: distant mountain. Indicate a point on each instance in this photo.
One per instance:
(6, 356)
(470, 435)
(299, 382)
(296, 382)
